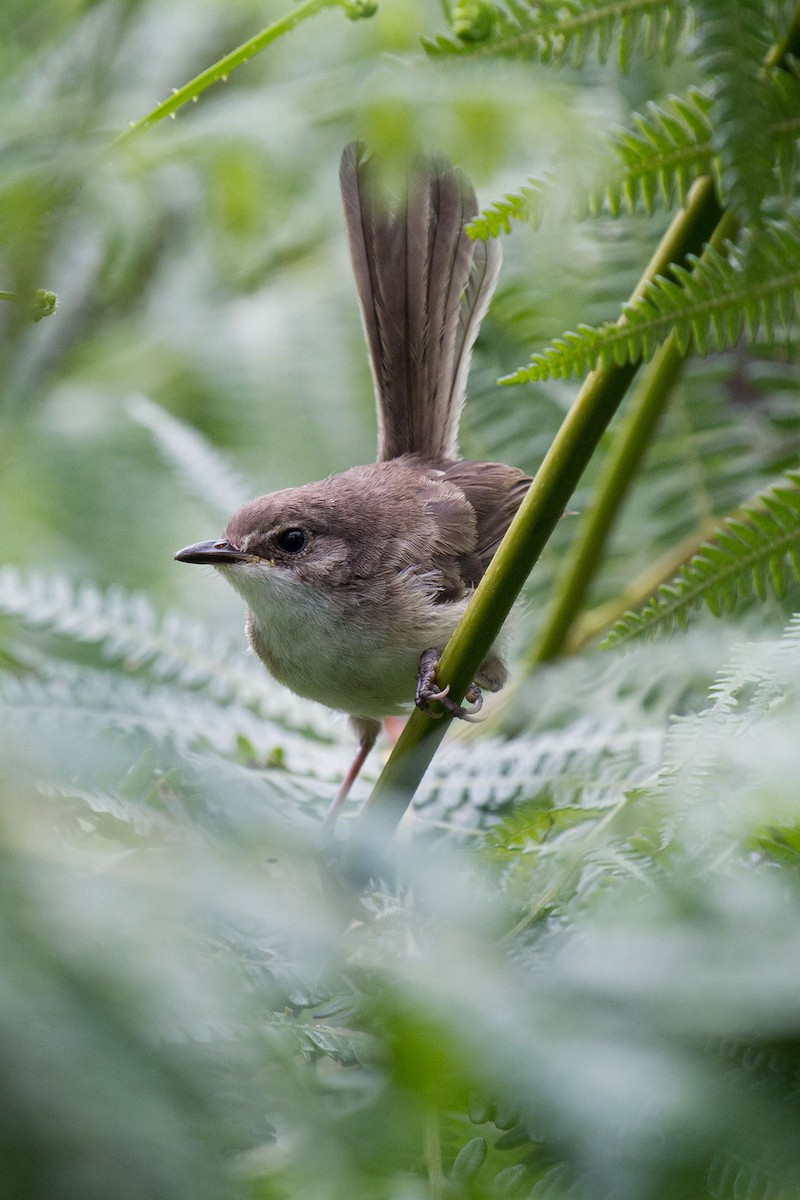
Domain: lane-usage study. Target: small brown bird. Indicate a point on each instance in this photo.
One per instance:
(355, 584)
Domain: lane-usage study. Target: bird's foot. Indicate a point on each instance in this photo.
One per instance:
(427, 692)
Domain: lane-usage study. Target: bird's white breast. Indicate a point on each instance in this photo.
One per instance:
(349, 655)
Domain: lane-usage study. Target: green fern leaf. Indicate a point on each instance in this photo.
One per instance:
(348, 1047)
(661, 157)
(753, 554)
(566, 31)
(708, 307)
(783, 100)
(667, 150)
(562, 777)
(525, 205)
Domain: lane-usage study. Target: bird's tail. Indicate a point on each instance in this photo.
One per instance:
(424, 288)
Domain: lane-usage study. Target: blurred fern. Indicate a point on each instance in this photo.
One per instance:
(200, 466)
(732, 41)
(655, 162)
(127, 632)
(731, 428)
(577, 769)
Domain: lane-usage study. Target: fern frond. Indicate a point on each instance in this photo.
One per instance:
(660, 158)
(205, 472)
(668, 148)
(525, 205)
(732, 41)
(782, 96)
(671, 145)
(656, 162)
(756, 671)
(707, 307)
(566, 31)
(746, 733)
(127, 630)
(581, 767)
(64, 694)
(750, 554)
(731, 1176)
(349, 1047)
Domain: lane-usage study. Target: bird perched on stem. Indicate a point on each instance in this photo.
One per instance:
(355, 584)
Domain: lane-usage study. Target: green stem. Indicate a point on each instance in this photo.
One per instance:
(433, 1155)
(574, 445)
(614, 482)
(221, 70)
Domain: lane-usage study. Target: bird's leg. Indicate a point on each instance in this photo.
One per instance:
(393, 727)
(369, 732)
(427, 691)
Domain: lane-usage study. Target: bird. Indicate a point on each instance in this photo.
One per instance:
(354, 584)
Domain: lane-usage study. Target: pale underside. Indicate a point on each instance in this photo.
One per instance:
(339, 651)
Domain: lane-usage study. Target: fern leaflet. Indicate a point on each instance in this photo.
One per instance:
(661, 157)
(674, 144)
(708, 307)
(525, 205)
(747, 555)
(581, 767)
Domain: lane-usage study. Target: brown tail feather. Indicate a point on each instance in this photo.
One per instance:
(423, 287)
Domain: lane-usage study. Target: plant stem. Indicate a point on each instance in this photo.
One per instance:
(614, 482)
(221, 70)
(573, 447)
(433, 1155)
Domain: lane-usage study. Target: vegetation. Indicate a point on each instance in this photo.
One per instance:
(573, 972)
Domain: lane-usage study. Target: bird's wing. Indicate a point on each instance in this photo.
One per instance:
(494, 492)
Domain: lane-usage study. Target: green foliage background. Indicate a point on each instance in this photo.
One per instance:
(577, 976)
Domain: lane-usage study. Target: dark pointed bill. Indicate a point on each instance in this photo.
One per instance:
(214, 553)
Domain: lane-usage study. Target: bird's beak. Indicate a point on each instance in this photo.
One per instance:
(215, 553)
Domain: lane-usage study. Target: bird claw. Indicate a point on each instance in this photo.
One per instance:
(427, 693)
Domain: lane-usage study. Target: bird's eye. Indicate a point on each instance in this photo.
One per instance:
(291, 541)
